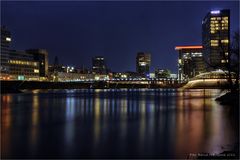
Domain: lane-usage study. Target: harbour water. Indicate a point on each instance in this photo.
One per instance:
(109, 123)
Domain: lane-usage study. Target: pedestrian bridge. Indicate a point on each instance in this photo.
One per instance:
(213, 79)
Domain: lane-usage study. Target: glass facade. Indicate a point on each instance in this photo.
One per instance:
(143, 62)
(190, 62)
(216, 38)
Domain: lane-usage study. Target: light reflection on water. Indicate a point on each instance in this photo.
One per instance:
(137, 123)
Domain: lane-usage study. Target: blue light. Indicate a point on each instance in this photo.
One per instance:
(215, 12)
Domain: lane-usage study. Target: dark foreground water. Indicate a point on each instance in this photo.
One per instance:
(114, 124)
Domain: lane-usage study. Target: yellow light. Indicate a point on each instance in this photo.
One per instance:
(224, 41)
(225, 18)
(214, 41)
(97, 77)
(179, 61)
(36, 70)
(214, 44)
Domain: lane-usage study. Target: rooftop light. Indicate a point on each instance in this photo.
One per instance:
(215, 12)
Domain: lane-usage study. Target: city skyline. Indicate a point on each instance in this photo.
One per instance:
(118, 40)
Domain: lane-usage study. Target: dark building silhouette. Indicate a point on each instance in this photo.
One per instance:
(190, 61)
(162, 73)
(143, 62)
(216, 38)
(40, 55)
(98, 65)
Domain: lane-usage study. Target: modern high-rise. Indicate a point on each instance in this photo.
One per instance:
(143, 62)
(190, 62)
(98, 65)
(216, 38)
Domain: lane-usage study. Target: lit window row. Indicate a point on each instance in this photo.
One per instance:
(226, 21)
(23, 62)
(212, 22)
(36, 70)
(223, 25)
(225, 41)
(216, 18)
(224, 61)
(225, 18)
(214, 43)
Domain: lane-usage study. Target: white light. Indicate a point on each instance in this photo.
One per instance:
(215, 12)
(143, 64)
(8, 39)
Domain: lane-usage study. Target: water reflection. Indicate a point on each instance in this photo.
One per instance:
(133, 123)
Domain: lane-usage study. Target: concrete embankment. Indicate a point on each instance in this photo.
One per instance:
(16, 86)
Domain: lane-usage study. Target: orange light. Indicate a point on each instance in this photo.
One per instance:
(188, 47)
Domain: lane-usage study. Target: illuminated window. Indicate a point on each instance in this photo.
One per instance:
(214, 43)
(218, 18)
(8, 39)
(226, 53)
(223, 61)
(213, 18)
(224, 41)
(225, 18)
(36, 70)
(179, 61)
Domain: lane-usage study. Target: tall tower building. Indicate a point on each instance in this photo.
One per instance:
(216, 38)
(143, 62)
(98, 65)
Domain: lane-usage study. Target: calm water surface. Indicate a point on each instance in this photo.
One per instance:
(137, 123)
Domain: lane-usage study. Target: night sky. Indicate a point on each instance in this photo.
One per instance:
(77, 31)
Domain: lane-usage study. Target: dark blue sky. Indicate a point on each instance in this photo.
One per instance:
(76, 31)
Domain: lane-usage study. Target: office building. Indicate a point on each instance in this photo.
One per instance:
(40, 55)
(5, 49)
(162, 73)
(216, 38)
(98, 65)
(15, 65)
(22, 66)
(143, 62)
(190, 62)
